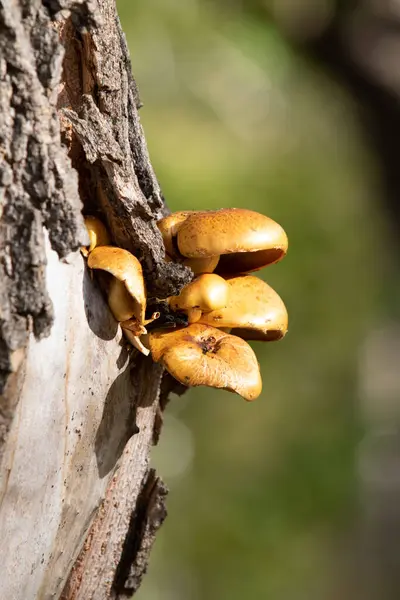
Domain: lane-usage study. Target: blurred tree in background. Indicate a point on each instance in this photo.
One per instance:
(262, 104)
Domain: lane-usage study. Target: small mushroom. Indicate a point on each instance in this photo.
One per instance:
(245, 240)
(254, 311)
(98, 234)
(121, 303)
(127, 270)
(169, 227)
(205, 293)
(202, 355)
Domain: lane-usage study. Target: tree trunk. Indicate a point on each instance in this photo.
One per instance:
(79, 506)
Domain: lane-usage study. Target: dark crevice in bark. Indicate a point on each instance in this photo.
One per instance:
(148, 517)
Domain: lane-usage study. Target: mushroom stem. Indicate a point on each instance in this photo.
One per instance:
(135, 341)
(154, 317)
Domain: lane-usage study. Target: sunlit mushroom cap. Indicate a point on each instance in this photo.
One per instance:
(245, 240)
(202, 355)
(254, 310)
(98, 234)
(206, 292)
(169, 226)
(126, 268)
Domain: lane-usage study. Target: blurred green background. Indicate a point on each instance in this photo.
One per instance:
(266, 499)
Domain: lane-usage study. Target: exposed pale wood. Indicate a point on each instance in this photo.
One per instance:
(78, 410)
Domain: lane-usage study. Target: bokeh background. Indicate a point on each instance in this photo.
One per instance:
(296, 495)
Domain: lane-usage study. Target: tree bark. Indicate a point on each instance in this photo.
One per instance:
(79, 410)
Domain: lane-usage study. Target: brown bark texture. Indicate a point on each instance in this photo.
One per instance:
(79, 408)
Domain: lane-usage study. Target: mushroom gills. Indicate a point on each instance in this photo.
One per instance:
(248, 262)
(128, 271)
(123, 306)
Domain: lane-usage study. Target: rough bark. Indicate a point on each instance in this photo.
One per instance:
(79, 409)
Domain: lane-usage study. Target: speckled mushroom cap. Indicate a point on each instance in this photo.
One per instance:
(202, 355)
(206, 292)
(254, 311)
(244, 239)
(127, 269)
(169, 227)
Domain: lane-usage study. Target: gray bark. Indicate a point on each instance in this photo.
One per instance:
(79, 409)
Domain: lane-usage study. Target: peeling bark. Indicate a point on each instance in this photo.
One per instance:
(79, 409)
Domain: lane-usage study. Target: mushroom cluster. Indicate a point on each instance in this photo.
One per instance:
(122, 280)
(216, 312)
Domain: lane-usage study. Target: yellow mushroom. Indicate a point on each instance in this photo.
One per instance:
(202, 355)
(98, 234)
(254, 310)
(169, 226)
(199, 266)
(202, 265)
(126, 291)
(120, 301)
(205, 293)
(245, 240)
(127, 270)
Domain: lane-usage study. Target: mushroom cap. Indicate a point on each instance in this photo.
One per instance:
(202, 355)
(254, 310)
(169, 226)
(206, 292)
(245, 240)
(98, 234)
(125, 267)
